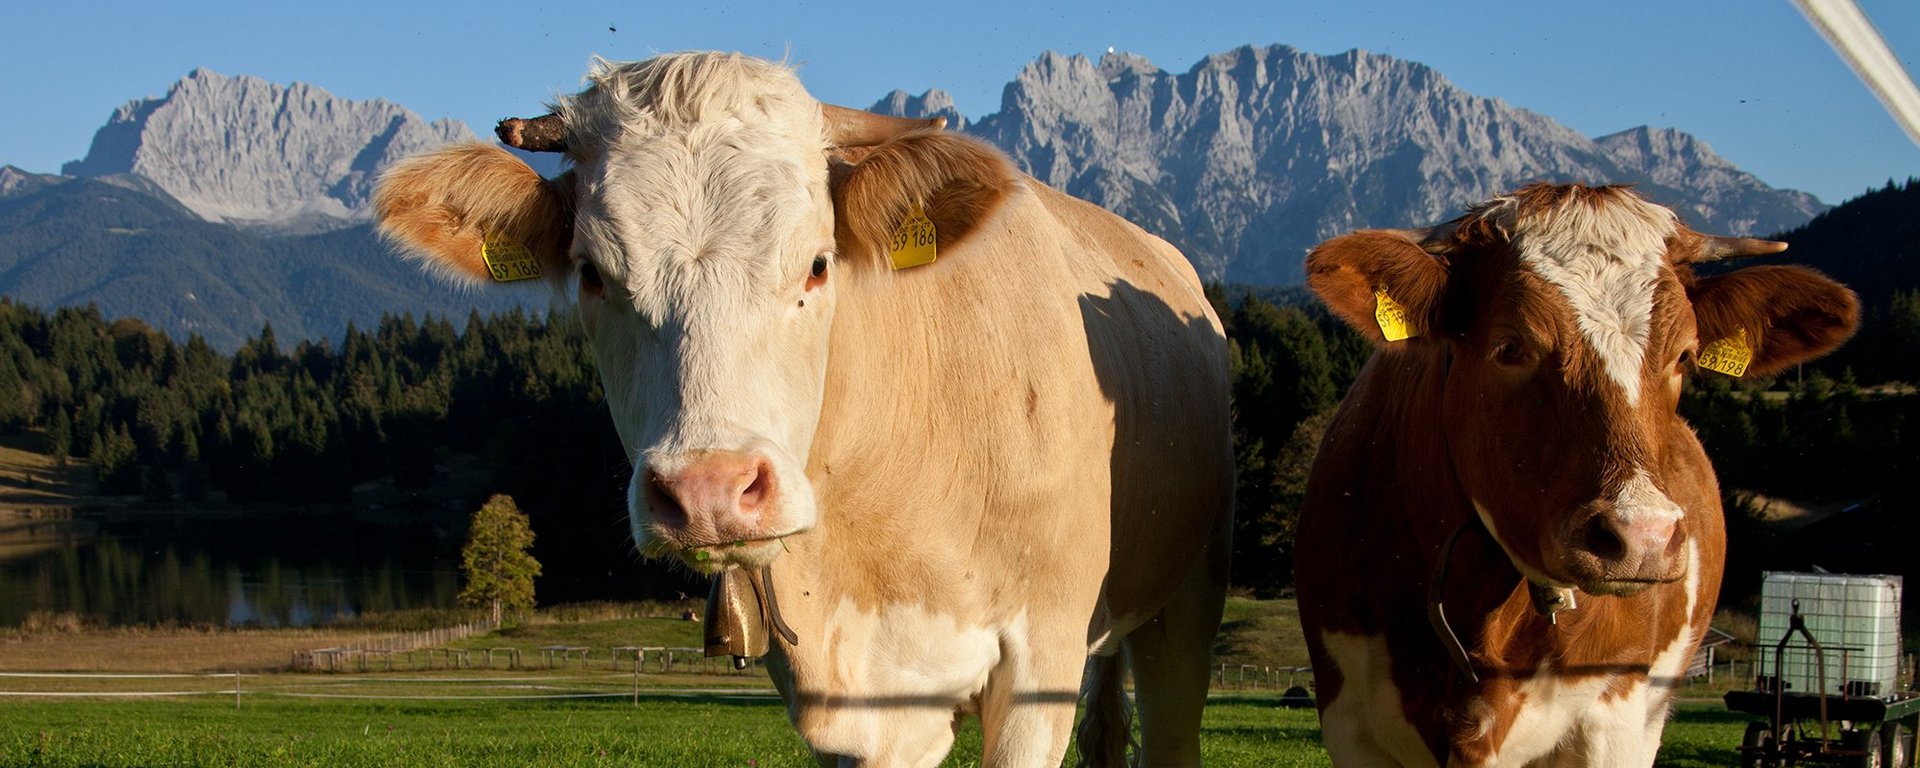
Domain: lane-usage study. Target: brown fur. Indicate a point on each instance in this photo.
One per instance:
(1346, 270)
(958, 181)
(1792, 314)
(1436, 414)
(438, 208)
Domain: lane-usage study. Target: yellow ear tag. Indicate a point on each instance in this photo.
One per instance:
(508, 260)
(1729, 355)
(913, 243)
(1391, 316)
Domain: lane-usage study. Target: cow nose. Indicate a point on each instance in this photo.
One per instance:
(717, 497)
(1633, 543)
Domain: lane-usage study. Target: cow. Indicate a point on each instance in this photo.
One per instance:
(1511, 543)
(968, 436)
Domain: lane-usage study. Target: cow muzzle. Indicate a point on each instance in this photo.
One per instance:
(715, 509)
(1621, 549)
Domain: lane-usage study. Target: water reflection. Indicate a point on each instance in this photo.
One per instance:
(279, 570)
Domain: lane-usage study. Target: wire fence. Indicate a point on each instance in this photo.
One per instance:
(245, 687)
(363, 654)
(1261, 677)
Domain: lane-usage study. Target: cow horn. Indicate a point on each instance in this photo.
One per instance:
(546, 133)
(1717, 248)
(858, 128)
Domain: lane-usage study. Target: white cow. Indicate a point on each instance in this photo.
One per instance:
(965, 476)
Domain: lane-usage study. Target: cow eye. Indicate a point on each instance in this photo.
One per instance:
(1685, 363)
(818, 275)
(590, 279)
(1510, 353)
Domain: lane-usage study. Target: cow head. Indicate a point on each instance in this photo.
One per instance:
(709, 219)
(1567, 318)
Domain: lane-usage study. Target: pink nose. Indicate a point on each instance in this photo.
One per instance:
(715, 499)
(1633, 544)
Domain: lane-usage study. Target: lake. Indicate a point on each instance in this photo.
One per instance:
(274, 569)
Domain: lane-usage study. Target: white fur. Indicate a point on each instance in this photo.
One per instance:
(1567, 723)
(1561, 720)
(1638, 499)
(1606, 260)
(905, 671)
(1363, 725)
(703, 202)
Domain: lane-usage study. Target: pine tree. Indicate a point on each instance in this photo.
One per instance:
(114, 456)
(497, 560)
(60, 437)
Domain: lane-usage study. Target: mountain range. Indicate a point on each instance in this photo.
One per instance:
(125, 245)
(230, 202)
(246, 151)
(1255, 154)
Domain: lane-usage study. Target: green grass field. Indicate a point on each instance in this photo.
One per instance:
(568, 715)
(661, 730)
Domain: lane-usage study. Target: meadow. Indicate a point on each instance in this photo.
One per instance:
(659, 729)
(98, 709)
(131, 697)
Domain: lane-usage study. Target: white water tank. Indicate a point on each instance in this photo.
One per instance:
(1855, 618)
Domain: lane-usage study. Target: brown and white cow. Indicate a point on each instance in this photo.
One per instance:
(964, 476)
(1511, 543)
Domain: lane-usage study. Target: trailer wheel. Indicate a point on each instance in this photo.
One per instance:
(1760, 736)
(1864, 741)
(1897, 745)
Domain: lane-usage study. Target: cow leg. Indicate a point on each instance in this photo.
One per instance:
(1365, 723)
(1026, 712)
(1172, 660)
(781, 673)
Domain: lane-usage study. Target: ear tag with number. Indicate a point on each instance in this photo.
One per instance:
(1730, 355)
(1391, 316)
(508, 260)
(914, 242)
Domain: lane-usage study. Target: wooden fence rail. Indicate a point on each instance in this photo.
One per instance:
(366, 653)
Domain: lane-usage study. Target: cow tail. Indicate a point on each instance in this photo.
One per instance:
(1106, 732)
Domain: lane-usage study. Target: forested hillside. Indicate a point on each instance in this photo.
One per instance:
(310, 422)
(306, 424)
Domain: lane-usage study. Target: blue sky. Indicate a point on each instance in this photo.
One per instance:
(1750, 77)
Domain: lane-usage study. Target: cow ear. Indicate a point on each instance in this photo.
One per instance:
(1372, 276)
(1789, 314)
(957, 181)
(454, 208)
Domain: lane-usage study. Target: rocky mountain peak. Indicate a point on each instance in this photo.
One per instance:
(1256, 153)
(244, 150)
(933, 103)
(1115, 65)
(14, 181)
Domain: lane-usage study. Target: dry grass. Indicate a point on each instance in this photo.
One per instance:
(32, 484)
(163, 650)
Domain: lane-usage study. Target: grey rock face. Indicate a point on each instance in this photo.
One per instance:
(246, 151)
(1674, 166)
(1255, 154)
(933, 103)
(14, 181)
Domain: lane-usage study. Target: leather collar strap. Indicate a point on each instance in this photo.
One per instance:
(1547, 601)
(1437, 613)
